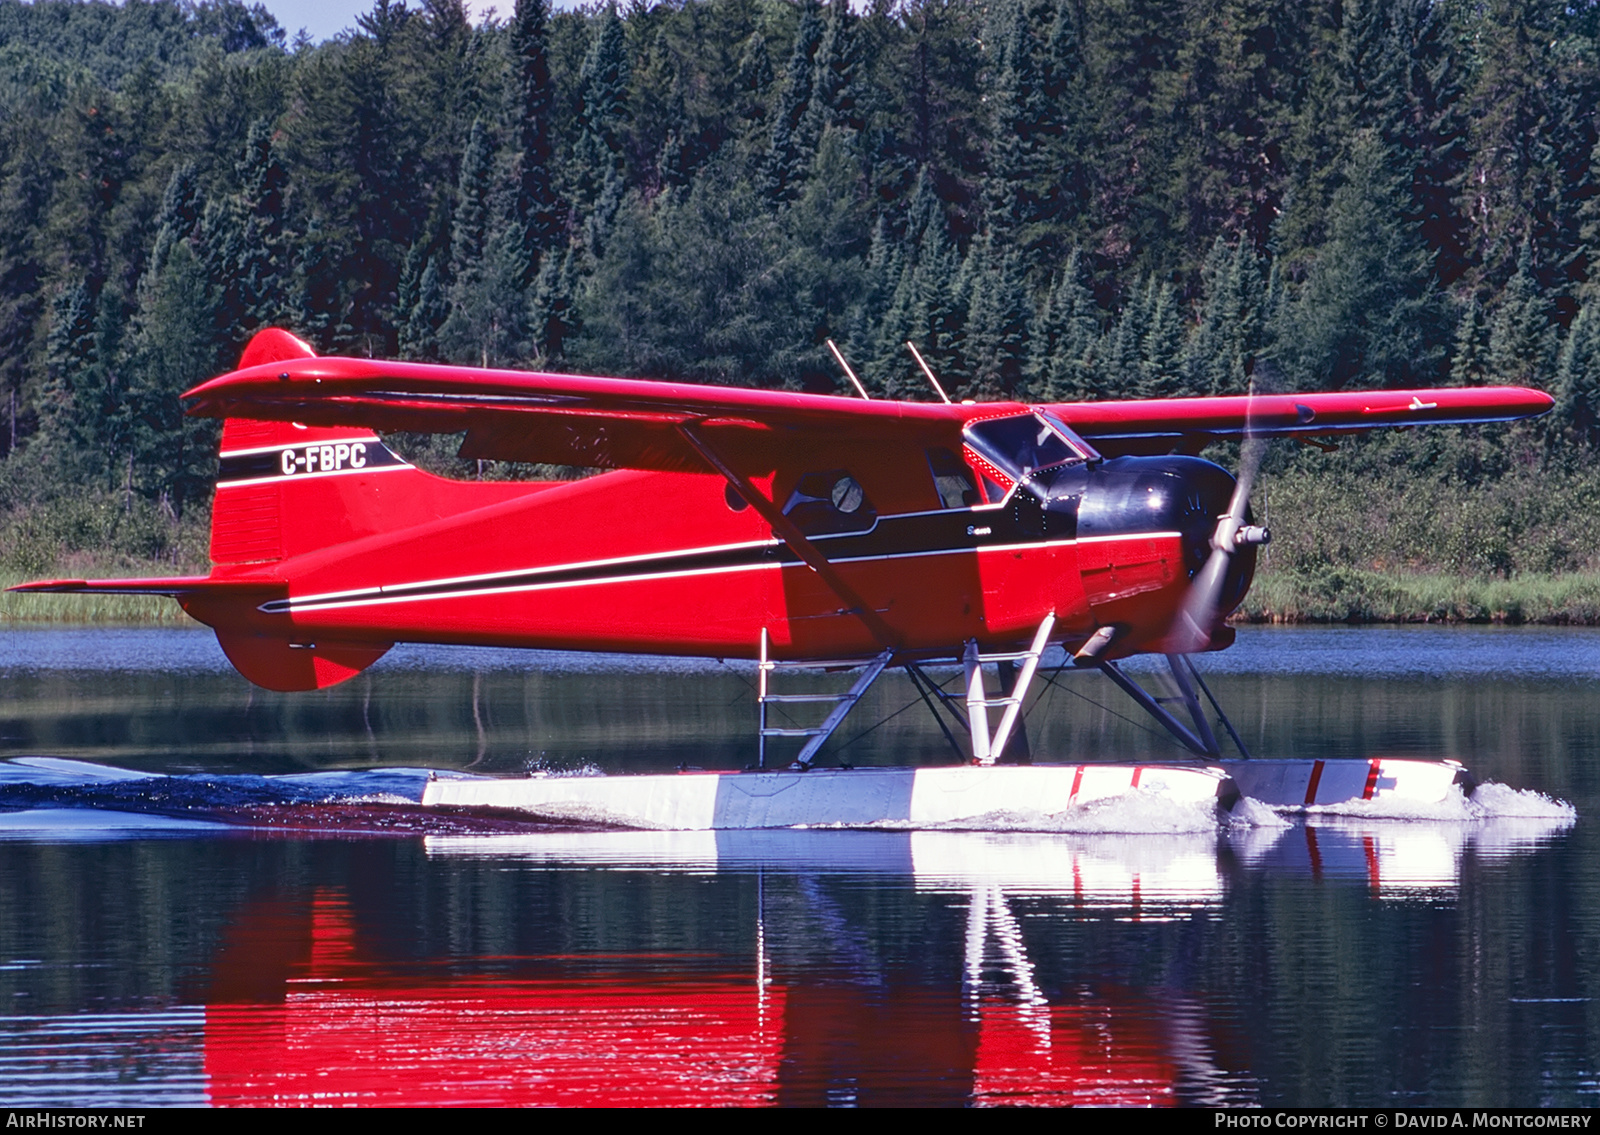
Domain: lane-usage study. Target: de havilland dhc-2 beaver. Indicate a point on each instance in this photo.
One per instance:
(790, 528)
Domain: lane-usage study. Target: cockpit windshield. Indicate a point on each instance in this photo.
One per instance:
(1019, 445)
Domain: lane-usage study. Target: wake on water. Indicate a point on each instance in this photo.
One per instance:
(36, 784)
(1490, 802)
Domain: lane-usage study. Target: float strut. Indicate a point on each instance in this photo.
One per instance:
(1158, 711)
(986, 747)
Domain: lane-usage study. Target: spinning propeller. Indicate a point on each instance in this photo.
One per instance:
(1197, 620)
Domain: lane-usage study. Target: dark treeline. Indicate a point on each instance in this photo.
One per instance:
(1056, 199)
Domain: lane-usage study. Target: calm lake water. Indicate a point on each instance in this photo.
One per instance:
(263, 921)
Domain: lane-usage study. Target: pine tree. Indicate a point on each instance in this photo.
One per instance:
(70, 357)
(753, 78)
(1122, 347)
(1369, 313)
(470, 223)
(422, 307)
(785, 164)
(925, 306)
(174, 347)
(1522, 335)
(488, 316)
(1222, 349)
(1062, 367)
(537, 209)
(1469, 365)
(1578, 378)
(317, 289)
(1529, 109)
(868, 325)
(261, 269)
(827, 232)
(835, 97)
(997, 325)
(553, 317)
(355, 157)
(1018, 101)
(1064, 139)
(489, 311)
(597, 155)
(1161, 346)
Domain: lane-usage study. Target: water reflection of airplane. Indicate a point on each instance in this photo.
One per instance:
(1396, 860)
(1140, 875)
(302, 1007)
(298, 1012)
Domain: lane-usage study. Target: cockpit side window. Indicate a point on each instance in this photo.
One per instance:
(830, 502)
(953, 479)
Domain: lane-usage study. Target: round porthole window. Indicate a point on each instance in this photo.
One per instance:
(847, 495)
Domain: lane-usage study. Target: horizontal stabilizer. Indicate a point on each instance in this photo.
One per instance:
(176, 586)
(271, 661)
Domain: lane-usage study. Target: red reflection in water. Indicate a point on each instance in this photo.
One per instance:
(342, 1034)
(1072, 1055)
(297, 1017)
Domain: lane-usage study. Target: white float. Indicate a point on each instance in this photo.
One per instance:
(1313, 784)
(929, 797)
(701, 801)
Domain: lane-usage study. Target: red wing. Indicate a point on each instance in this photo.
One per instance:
(633, 423)
(563, 418)
(1160, 425)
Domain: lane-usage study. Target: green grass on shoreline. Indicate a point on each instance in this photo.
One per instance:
(1329, 595)
(1351, 595)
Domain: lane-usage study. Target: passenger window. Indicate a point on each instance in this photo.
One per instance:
(830, 502)
(953, 479)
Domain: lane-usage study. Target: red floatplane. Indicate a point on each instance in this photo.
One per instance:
(796, 529)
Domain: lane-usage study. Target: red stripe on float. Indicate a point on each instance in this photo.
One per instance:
(1372, 780)
(1311, 785)
(1077, 782)
(1138, 771)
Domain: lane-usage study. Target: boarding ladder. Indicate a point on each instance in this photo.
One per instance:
(842, 704)
(986, 746)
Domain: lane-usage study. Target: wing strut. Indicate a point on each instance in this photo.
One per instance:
(786, 530)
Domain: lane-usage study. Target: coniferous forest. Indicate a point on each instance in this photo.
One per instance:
(1055, 199)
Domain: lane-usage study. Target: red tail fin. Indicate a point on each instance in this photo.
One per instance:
(247, 516)
(284, 489)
